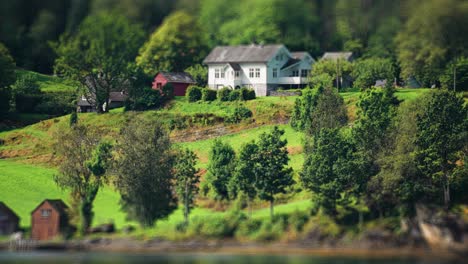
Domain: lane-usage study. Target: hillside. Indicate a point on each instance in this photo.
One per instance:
(27, 164)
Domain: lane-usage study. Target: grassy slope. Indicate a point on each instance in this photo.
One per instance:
(47, 83)
(24, 185)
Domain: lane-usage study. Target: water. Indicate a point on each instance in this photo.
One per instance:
(210, 258)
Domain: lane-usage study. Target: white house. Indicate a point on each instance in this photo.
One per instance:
(261, 67)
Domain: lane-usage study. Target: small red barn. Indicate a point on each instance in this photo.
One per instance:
(179, 80)
(9, 221)
(49, 219)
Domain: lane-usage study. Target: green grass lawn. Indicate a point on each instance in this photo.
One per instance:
(48, 83)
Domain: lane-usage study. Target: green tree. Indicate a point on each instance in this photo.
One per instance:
(26, 94)
(441, 135)
(455, 76)
(174, 46)
(317, 109)
(186, 179)
(332, 170)
(247, 168)
(84, 163)
(367, 71)
(99, 56)
(199, 74)
(143, 169)
(433, 35)
(337, 69)
(272, 177)
(7, 78)
(221, 166)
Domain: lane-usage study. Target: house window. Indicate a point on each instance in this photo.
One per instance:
(222, 73)
(295, 73)
(216, 73)
(257, 73)
(304, 73)
(251, 72)
(159, 85)
(45, 213)
(275, 72)
(237, 74)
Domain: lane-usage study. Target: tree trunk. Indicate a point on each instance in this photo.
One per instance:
(271, 209)
(249, 206)
(186, 205)
(446, 192)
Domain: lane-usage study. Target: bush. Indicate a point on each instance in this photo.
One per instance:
(208, 95)
(144, 98)
(240, 113)
(297, 220)
(57, 103)
(247, 228)
(194, 94)
(248, 94)
(27, 94)
(236, 95)
(224, 94)
(271, 230)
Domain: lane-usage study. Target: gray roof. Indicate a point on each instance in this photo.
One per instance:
(243, 53)
(299, 54)
(178, 77)
(345, 55)
(290, 62)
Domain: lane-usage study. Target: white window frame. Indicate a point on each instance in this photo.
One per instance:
(237, 74)
(275, 73)
(223, 73)
(45, 213)
(306, 73)
(257, 72)
(217, 71)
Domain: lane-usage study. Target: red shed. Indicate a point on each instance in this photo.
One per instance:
(8, 220)
(179, 80)
(49, 219)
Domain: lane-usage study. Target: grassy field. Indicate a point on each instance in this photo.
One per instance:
(47, 83)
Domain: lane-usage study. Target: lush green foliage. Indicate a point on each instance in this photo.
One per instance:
(89, 60)
(26, 94)
(208, 95)
(222, 161)
(186, 179)
(176, 45)
(224, 94)
(199, 73)
(143, 169)
(7, 77)
(367, 71)
(331, 69)
(458, 69)
(194, 94)
(318, 108)
(240, 113)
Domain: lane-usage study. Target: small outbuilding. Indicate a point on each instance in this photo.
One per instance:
(180, 81)
(9, 221)
(49, 219)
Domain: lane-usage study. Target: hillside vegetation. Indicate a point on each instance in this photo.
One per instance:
(27, 165)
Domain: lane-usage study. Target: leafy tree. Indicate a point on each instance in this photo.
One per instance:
(457, 69)
(246, 171)
(199, 73)
(221, 167)
(186, 179)
(7, 77)
(332, 170)
(433, 35)
(84, 163)
(90, 60)
(43, 29)
(273, 177)
(26, 94)
(440, 137)
(174, 46)
(367, 71)
(143, 169)
(337, 69)
(318, 108)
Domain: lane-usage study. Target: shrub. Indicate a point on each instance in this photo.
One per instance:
(271, 230)
(56, 103)
(224, 94)
(27, 94)
(297, 220)
(240, 113)
(236, 95)
(248, 94)
(247, 228)
(144, 98)
(208, 95)
(194, 94)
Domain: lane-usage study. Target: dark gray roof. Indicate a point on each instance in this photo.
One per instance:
(178, 77)
(58, 205)
(345, 55)
(7, 210)
(235, 66)
(299, 54)
(243, 53)
(117, 96)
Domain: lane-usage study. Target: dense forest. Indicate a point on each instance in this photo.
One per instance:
(423, 39)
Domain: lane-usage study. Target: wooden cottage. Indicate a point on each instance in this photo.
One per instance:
(9, 221)
(180, 81)
(49, 219)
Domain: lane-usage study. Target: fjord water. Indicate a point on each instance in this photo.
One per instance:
(210, 258)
